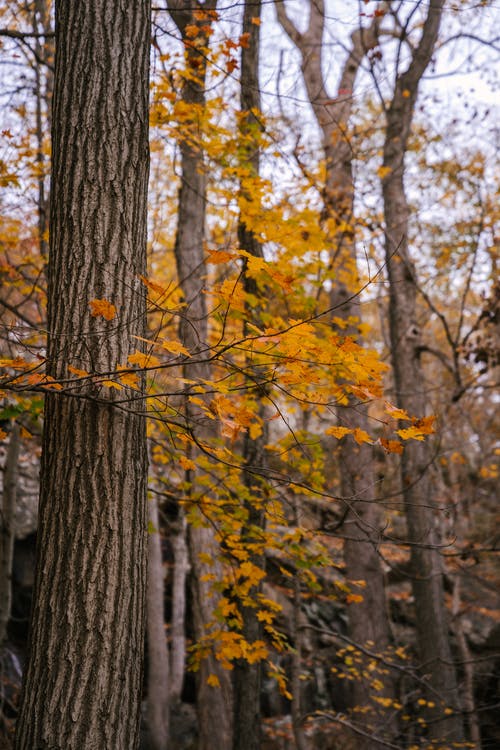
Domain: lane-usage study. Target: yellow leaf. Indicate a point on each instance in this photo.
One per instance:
(102, 308)
(153, 286)
(112, 384)
(350, 598)
(186, 463)
(383, 172)
(220, 256)
(130, 379)
(360, 436)
(143, 360)
(394, 412)
(256, 21)
(419, 429)
(406, 94)
(174, 347)
(213, 680)
(3, 435)
(338, 432)
(77, 371)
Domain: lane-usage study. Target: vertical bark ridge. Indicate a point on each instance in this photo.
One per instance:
(83, 683)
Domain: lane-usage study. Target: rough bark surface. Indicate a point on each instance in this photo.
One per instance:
(426, 564)
(158, 661)
(213, 704)
(248, 677)
(84, 678)
(7, 530)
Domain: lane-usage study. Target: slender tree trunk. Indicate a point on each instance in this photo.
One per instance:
(178, 631)
(368, 619)
(84, 678)
(158, 661)
(426, 564)
(7, 530)
(248, 677)
(213, 704)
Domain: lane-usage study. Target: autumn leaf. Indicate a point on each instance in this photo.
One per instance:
(394, 412)
(186, 463)
(391, 446)
(360, 436)
(213, 680)
(3, 435)
(174, 347)
(419, 429)
(112, 384)
(130, 379)
(102, 308)
(338, 432)
(77, 371)
(220, 256)
(143, 360)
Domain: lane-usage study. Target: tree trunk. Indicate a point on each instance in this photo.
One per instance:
(158, 662)
(368, 619)
(213, 704)
(7, 530)
(84, 678)
(248, 677)
(426, 564)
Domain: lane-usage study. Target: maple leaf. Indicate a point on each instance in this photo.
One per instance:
(220, 256)
(174, 347)
(143, 360)
(391, 446)
(360, 436)
(213, 680)
(338, 432)
(102, 308)
(130, 379)
(396, 413)
(77, 371)
(419, 429)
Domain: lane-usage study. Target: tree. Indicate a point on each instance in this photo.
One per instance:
(405, 335)
(368, 621)
(87, 632)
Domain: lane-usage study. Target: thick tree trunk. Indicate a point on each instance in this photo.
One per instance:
(84, 678)
(7, 530)
(426, 564)
(158, 661)
(213, 704)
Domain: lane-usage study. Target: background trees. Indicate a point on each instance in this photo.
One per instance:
(303, 231)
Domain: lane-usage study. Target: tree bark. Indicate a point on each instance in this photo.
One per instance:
(213, 704)
(248, 677)
(84, 678)
(7, 530)
(426, 564)
(158, 657)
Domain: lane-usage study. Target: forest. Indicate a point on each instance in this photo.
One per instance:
(249, 357)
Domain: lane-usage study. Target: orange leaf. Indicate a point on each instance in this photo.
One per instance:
(220, 256)
(338, 432)
(143, 360)
(103, 308)
(391, 446)
(360, 436)
(76, 371)
(394, 412)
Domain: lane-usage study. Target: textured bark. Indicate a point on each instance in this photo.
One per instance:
(368, 619)
(248, 677)
(84, 678)
(177, 631)
(158, 657)
(426, 565)
(213, 704)
(7, 530)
